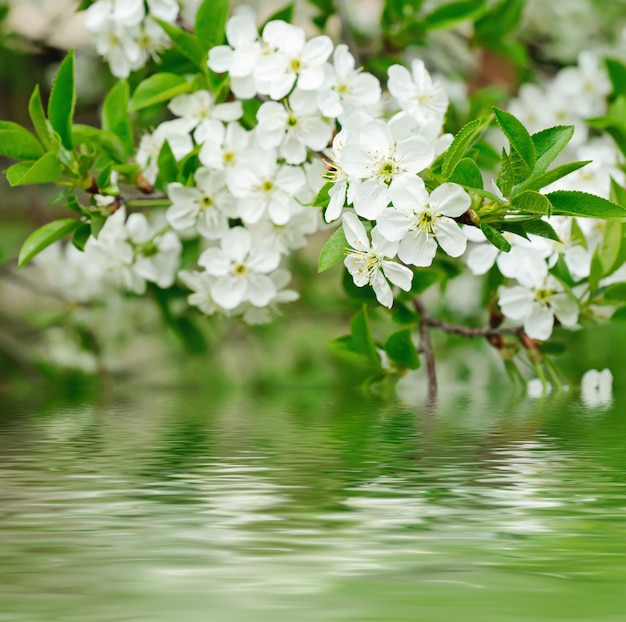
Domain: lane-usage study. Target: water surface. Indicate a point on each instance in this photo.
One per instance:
(187, 506)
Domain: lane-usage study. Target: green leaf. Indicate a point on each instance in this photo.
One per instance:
(448, 15)
(495, 237)
(549, 177)
(541, 228)
(106, 142)
(617, 75)
(533, 202)
(63, 100)
(461, 143)
(467, 173)
(97, 222)
(44, 236)
(615, 291)
(615, 127)
(323, 198)
(333, 251)
(362, 339)
(45, 170)
(549, 143)
(506, 177)
(186, 44)
(575, 203)
(158, 88)
(608, 249)
(518, 136)
(401, 349)
(618, 194)
(166, 162)
(40, 123)
(81, 235)
(18, 143)
(285, 14)
(115, 115)
(211, 22)
(619, 316)
(502, 18)
(595, 272)
(402, 314)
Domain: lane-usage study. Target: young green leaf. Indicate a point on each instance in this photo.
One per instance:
(81, 235)
(575, 203)
(506, 177)
(518, 136)
(158, 88)
(187, 44)
(401, 349)
(18, 143)
(467, 173)
(323, 199)
(106, 142)
(448, 15)
(40, 123)
(44, 236)
(115, 116)
(619, 316)
(541, 228)
(533, 202)
(617, 75)
(166, 162)
(549, 177)
(495, 237)
(45, 170)
(362, 339)
(333, 251)
(549, 143)
(285, 14)
(501, 18)
(462, 142)
(615, 291)
(211, 22)
(63, 100)
(608, 249)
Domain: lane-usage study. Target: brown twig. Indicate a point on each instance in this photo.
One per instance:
(426, 347)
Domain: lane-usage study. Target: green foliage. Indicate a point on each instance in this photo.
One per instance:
(41, 238)
(18, 143)
(362, 339)
(449, 15)
(158, 88)
(333, 251)
(617, 74)
(323, 198)
(40, 122)
(518, 137)
(532, 202)
(401, 349)
(467, 173)
(549, 143)
(45, 170)
(536, 182)
(285, 14)
(116, 118)
(210, 25)
(187, 44)
(461, 143)
(63, 101)
(495, 237)
(575, 203)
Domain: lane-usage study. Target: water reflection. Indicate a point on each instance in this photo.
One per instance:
(169, 506)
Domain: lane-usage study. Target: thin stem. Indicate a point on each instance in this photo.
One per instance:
(427, 349)
(470, 333)
(148, 202)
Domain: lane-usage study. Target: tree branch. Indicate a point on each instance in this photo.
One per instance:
(427, 348)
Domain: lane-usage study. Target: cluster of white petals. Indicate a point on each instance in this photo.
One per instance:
(126, 34)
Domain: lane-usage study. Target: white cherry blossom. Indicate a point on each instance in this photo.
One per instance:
(241, 268)
(369, 263)
(293, 128)
(205, 206)
(375, 159)
(203, 115)
(419, 222)
(293, 59)
(417, 93)
(346, 88)
(536, 303)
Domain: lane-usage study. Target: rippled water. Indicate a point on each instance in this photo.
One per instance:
(187, 506)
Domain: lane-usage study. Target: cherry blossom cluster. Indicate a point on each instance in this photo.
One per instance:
(573, 95)
(126, 34)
